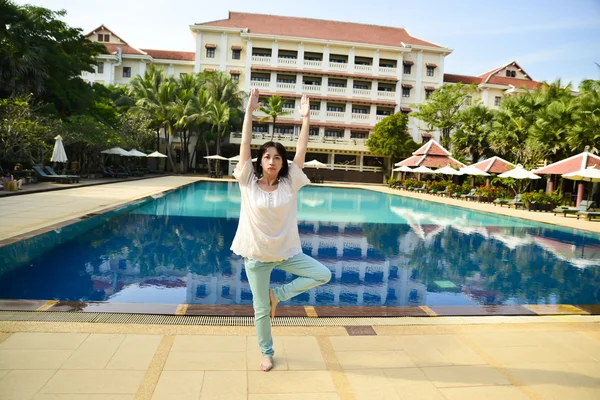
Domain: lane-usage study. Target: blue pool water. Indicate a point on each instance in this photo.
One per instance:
(381, 249)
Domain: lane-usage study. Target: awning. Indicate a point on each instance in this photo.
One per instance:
(209, 69)
(236, 47)
(432, 65)
(405, 109)
(407, 86)
(235, 72)
(210, 46)
(429, 88)
(407, 62)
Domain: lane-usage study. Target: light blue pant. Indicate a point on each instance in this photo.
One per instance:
(310, 273)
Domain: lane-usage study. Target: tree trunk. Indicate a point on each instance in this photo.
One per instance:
(273, 132)
(207, 161)
(169, 156)
(157, 139)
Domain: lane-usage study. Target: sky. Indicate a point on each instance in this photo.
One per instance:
(549, 39)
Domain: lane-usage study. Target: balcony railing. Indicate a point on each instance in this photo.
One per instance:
(361, 92)
(311, 88)
(260, 84)
(364, 68)
(379, 117)
(336, 90)
(388, 71)
(286, 86)
(261, 59)
(336, 114)
(288, 62)
(313, 64)
(338, 66)
(386, 95)
(360, 117)
(315, 113)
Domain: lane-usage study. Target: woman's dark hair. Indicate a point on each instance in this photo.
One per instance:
(283, 172)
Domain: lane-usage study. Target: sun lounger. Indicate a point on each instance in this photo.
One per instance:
(51, 172)
(588, 214)
(45, 177)
(584, 206)
(470, 195)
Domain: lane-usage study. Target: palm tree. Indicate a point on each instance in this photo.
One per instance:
(225, 90)
(274, 109)
(471, 136)
(197, 118)
(146, 86)
(218, 115)
(586, 119)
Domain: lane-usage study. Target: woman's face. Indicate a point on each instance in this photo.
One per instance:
(271, 163)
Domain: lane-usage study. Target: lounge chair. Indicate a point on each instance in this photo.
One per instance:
(113, 174)
(126, 170)
(516, 202)
(421, 189)
(45, 177)
(588, 214)
(584, 206)
(51, 172)
(444, 192)
(470, 195)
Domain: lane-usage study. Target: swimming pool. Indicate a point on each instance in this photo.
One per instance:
(382, 250)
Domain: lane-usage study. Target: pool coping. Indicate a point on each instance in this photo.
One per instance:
(55, 306)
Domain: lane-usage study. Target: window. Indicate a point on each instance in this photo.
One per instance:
(260, 78)
(334, 109)
(384, 112)
(358, 135)
(285, 80)
(287, 56)
(100, 67)
(260, 128)
(359, 86)
(103, 37)
(126, 72)
(430, 71)
(235, 77)
(182, 74)
(361, 63)
(210, 53)
(313, 132)
(384, 89)
(405, 111)
(360, 111)
(497, 100)
(314, 107)
(511, 74)
(428, 93)
(335, 134)
(335, 84)
(236, 54)
(407, 69)
(468, 100)
(405, 92)
(289, 105)
(284, 130)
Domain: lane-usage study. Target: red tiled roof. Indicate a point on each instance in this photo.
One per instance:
(430, 161)
(171, 55)
(235, 72)
(431, 65)
(127, 49)
(319, 29)
(571, 164)
(406, 109)
(429, 88)
(407, 86)
(501, 80)
(432, 148)
(466, 79)
(494, 165)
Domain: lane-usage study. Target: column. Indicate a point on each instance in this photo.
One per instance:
(373, 115)
(326, 58)
(348, 113)
(248, 70)
(111, 72)
(170, 70)
(440, 70)
(301, 55)
(376, 62)
(418, 84)
(362, 163)
(198, 52)
(332, 160)
(275, 53)
(299, 83)
(324, 85)
(142, 67)
(223, 52)
(350, 87)
(273, 82)
(351, 59)
(374, 86)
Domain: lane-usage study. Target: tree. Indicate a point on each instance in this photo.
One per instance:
(440, 111)
(586, 119)
(147, 86)
(218, 115)
(471, 136)
(274, 109)
(42, 55)
(390, 139)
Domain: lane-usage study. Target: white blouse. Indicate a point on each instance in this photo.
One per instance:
(268, 227)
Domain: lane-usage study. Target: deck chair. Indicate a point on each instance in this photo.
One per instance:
(588, 214)
(51, 172)
(584, 206)
(45, 177)
(516, 202)
(470, 195)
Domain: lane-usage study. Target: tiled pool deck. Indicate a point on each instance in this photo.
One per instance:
(516, 352)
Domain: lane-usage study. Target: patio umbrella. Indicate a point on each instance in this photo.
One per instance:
(58, 154)
(156, 154)
(235, 158)
(215, 157)
(117, 151)
(447, 170)
(519, 173)
(423, 170)
(137, 153)
(473, 171)
(315, 163)
(590, 174)
(404, 169)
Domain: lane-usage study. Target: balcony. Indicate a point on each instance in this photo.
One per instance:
(313, 64)
(311, 88)
(315, 113)
(380, 117)
(287, 62)
(264, 60)
(336, 90)
(386, 95)
(339, 115)
(363, 69)
(260, 84)
(360, 117)
(361, 92)
(388, 71)
(335, 66)
(288, 87)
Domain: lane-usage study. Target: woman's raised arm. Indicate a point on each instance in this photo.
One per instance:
(302, 144)
(253, 104)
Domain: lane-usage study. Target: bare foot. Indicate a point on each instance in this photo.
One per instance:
(274, 302)
(266, 364)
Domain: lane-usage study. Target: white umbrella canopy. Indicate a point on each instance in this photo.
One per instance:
(315, 163)
(474, 171)
(117, 151)
(137, 153)
(590, 174)
(215, 157)
(235, 158)
(403, 168)
(519, 173)
(422, 170)
(447, 170)
(157, 155)
(58, 154)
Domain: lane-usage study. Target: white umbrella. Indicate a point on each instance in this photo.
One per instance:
(591, 174)
(403, 168)
(235, 158)
(59, 155)
(447, 170)
(216, 157)
(519, 173)
(156, 154)
(117, 151)
(137, 153)
(315, 163)
(422, 170)
(474, 171)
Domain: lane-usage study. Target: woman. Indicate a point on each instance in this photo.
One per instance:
(9, 178)
(267, 234)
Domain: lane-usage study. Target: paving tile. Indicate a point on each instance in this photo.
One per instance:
(197, 343)
(360, 330)
(368, 384)
(290, 382)
(135, 352)
(205, 361)
(303, 353)
(95, 352)
(224, 385)
(374, 359)
(534, 354)
(465, 376)
(510, 339)
(411, 383)
(43, 341)
(358, 343)
(175, 385)
(94, 381)
(83, 397)
(484, 393)
(18, 385)
(254, 356)
(33, 359)
(289, 396)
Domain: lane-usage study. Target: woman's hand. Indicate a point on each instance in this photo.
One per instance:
(253, 104)
(304, 108)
